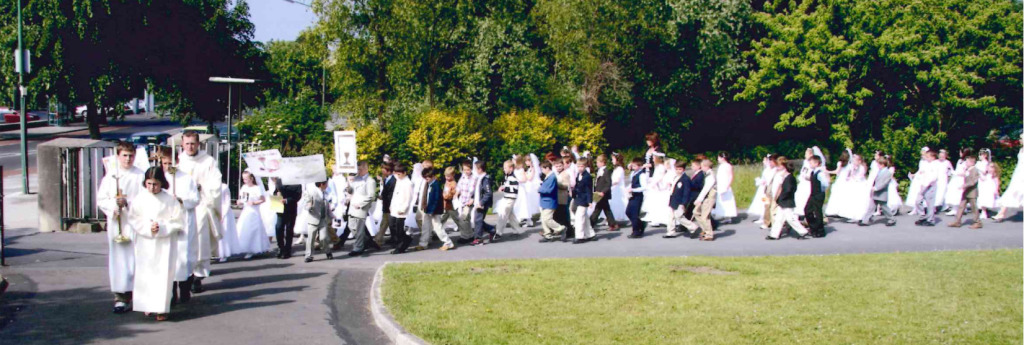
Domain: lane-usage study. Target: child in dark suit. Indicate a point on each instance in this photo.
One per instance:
(582, 196)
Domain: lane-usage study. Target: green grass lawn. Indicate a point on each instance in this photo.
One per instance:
(967, 297)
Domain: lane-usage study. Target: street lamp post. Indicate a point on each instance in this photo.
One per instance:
(229, 81)
(21, 96)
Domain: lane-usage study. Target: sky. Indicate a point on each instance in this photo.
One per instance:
(279, 20)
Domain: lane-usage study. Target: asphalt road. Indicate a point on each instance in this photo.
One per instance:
(60, 280)
(10, 152)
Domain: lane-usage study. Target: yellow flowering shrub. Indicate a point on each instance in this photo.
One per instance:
(444, 136)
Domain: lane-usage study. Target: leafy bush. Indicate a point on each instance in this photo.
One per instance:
(521, 132)
(588, 136)
(286, 124)
(446, 136)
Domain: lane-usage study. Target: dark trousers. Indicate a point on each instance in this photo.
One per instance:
(603, 206)
(813, 215)
(397, 226)
(479, 226)
(562, 217)
(284, 231)
(633, 213)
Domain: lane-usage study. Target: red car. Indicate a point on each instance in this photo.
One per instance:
(13, 117)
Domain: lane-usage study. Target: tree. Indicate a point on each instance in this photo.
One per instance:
(862, 69)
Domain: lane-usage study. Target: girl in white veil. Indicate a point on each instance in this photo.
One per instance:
(228, 244)
(250, 227)
(532, 196)
(417, 179)
(619, 199)
(520, 209)
(267, 210)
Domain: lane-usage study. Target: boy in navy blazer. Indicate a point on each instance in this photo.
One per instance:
(582, 196)
(681, 193)
(433, 207)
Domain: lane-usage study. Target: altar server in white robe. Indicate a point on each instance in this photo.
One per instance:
(183, 189)
(157, 218)
(206, 174)
(116, 193)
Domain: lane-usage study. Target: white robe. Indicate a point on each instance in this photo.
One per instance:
(206, 174)
(1014, 194)
(155, 253)
(228, 244)
(121, 259)
(725, 202)
(520, 209)
(252, 237)
(619, 199)
(184, 188)
(756, 208)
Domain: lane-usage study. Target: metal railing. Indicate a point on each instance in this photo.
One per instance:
(82, 171)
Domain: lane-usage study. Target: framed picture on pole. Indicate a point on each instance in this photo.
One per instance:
(345, 157)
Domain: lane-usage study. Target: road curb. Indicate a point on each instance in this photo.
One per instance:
(382, 317)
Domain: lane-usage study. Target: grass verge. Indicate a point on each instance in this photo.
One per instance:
(961, 297)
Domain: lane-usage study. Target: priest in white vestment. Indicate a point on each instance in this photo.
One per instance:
(206, 174)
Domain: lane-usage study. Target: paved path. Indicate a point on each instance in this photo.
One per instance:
(60, 280)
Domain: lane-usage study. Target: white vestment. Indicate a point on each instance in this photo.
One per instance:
(121, 260)
(155, 253)
(206, 174)
(183, 188)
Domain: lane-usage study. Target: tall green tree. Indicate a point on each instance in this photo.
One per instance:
(887, 70)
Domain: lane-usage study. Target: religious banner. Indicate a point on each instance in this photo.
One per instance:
(265, 163)
(345, 151)
(302, 170)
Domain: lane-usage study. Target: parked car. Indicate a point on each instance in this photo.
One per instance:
(149, 138)
(14, 117)
(1008, 137)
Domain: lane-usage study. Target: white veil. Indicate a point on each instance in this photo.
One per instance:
(266, 212)
(535, 163)
(817, 152)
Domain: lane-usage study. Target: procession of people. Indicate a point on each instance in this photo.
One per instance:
(167, 223)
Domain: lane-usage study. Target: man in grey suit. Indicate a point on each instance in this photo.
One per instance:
(317, 218)
(880, 194)
(363, 189)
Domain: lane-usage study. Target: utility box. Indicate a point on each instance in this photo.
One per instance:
(70, 171)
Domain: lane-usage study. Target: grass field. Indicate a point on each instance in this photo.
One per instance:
(968, 297)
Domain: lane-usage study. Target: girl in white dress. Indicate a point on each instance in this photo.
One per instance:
(915, 183)
(520, 209)
(1014, 194)
(532, 197)
(725, 201)
(756, 208)
(955, 188)
(895, 201)
(835, 199)
(228, 244)
(619, 198)
(251, 232)
(658, 211)
(803, 185)
(988, 189)
(942, 181)
(857, 191)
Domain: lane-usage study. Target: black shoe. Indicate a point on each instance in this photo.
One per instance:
(355, 253)
(197, 286)
(308, 259)
(578, 241)
(634, 236)
(892, 223)
(461, 240)
(919, 222)
(818, 235)
(545, 240)
(495, 237)
(120, 310)
(280, 255)
(804, 237)
(330, 256)
(862, 224)
(926, 223)
(397, 251)
(288, 255)
(770, 238)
